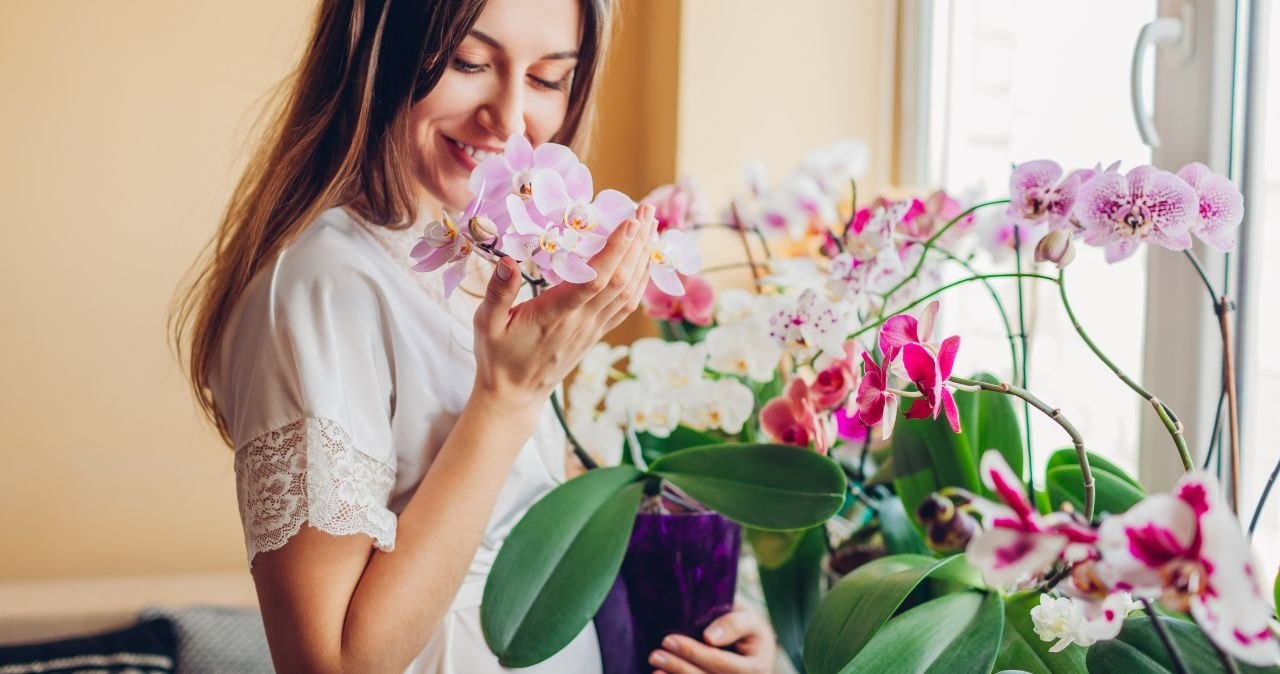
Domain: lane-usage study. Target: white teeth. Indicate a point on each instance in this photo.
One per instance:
(474, 153)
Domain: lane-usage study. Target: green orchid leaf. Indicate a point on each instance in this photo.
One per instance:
(1022, 648)
(900, 530)
(773, 548)
(1113, 494)
(1067, 457)
(857, 606)
(957, 633)
(652, 447)
(763, 486)
(990, 421)
(792, 591)
(557, 565)
(1139, 650)
(927, 456)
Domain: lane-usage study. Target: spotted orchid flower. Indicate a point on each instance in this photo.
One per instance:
(877, 403)
(1147, 204)
(675, 253)
(872, 229)
(443, 245)
(1187, 549)
(512, 173)
(1016, 543)
(792, 419)
(1221, 206)
(560, 251)
(809, 325)
(1037, 195)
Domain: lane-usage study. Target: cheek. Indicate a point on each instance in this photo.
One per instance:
(544, 114)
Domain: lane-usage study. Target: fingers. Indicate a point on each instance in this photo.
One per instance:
(736, 626)
(606, 262)
(493, 313)
(629, 279)
(682, 654)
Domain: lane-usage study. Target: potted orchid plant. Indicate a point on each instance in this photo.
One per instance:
(888, 502)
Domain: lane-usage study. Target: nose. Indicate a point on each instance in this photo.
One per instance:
(502, 114)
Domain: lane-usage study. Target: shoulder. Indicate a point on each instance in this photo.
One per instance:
(332, 260)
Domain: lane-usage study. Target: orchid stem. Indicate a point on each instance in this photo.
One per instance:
(1057, 417)
(578, 451)
(911, 305)
(1233, 410)
(746, 247)
(1167, 417)
(929, 244)
(1022, 341)
(1262, 500)
(732, 265)
(1165, 638)
(1195, 262)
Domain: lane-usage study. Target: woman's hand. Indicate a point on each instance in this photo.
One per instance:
(746, 631)
(525, 351)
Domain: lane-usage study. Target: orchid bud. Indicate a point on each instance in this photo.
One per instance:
(949, 528)
(439, 234)
(1056, 247)
(482, 230)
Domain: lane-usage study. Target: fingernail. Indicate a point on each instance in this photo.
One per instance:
(657, 659)
(714, 633)
(504, 270)
(670, 643)
(632, 226)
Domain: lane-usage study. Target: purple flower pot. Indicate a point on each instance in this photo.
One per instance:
(679, 575)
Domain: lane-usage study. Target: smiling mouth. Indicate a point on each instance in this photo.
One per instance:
(478, 154)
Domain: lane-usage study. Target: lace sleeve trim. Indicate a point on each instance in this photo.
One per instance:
(310, 471)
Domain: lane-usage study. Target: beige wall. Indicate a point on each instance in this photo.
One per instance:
(124, 125)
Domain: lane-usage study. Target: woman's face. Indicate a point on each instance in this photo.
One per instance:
(511, 74)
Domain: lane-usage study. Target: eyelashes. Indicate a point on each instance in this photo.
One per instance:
(468, 68)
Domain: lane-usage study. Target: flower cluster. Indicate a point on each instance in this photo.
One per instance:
(1119, 211)
(539, 206)
(909, 355)
(1184, 549)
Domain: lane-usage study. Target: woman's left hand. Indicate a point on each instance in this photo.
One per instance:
(746, 631)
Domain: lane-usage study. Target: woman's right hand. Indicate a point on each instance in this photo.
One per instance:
(524, 352)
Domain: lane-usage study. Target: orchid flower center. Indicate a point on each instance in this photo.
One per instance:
(1134, 221)
(1183, 579)
(440, 234)
(581, 217)
(522, 185)
(550, 241)
(662, 255)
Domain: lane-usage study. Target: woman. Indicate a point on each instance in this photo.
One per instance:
(369, 413)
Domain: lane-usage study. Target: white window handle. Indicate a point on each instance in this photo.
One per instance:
(1162, 31)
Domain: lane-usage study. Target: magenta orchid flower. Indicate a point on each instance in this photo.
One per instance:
(1017, 543)
(1187, 549)
(1037, 195)
(831, 388)
(902, 329)
(1119, 212)
(443, 245)
(930, 373)
(793, 420)
(560, 251)
(676, 253)
(877, 403)
(695, 306)
(513, 173)
(1221, 206)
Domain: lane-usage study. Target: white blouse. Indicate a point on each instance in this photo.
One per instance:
(340, 374)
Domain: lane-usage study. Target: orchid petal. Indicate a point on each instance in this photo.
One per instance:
(577, 184)
(1000, 478)
(572, 268)
(947, 356)
(453, 274)
(1121, 250)
(521, 247)
(549, 195)
(554, 157)
(1006, 555)
(922, 370)
(950, 409)
(590, 243)
(433, 261)
(1099, 200)
(890, 415)
(519, 152)
(520, 219)
(897, 332)
(614, 207)
(491, 176)
(928, 318)
(666, 280)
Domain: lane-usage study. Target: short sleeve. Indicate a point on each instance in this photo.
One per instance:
(305, 386)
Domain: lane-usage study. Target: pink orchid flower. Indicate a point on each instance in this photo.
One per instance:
(925, 218)
(1016, 543)
(443, 245)
(1221, 206)
(695, 306)
(849, 426)
(1119, 212)
(1037, 195)
(675, 254)
(877, 403)
(902, 329)
(513, 173)
(872, 229)
(792, 419)
(836, 380)
(560, 251)
(930, 374)
(679, 205)
(567, 198)
(1187, 549)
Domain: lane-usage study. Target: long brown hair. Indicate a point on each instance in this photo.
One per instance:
(338, 135)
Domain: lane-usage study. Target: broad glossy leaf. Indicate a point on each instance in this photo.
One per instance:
(1022, 648)
(773, 548)
(764, 486)
(653, 447)
(927, 456)
(901, 533)
(858, 605)
(957, 633)
(1113, 494)
(990, 421)
(792, 592)
(1139, 650)
(1067, 457)
(557, 565)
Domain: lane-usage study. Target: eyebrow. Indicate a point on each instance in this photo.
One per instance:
(553, 56)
